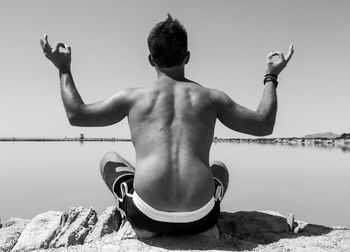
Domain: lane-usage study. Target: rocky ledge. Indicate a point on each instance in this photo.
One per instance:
(81, 230)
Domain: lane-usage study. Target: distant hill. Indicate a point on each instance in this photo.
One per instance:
(323, 135)
(345, 135)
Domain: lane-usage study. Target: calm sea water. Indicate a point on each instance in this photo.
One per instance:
(313, 183)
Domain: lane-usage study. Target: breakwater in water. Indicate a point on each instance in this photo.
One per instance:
(342, 143)
(65, 139)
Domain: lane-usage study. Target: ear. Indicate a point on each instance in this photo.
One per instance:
(151, 61)
(187, 57)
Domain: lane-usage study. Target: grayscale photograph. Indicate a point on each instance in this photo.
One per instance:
(190, 125)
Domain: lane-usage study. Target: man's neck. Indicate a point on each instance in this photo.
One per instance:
(176, 73)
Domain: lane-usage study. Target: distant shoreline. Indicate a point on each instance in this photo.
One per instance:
(66, 139)
(319, 142)
(280, 139)
(300, 140)
(342, 143)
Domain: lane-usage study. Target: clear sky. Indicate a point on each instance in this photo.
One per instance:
(228, 40)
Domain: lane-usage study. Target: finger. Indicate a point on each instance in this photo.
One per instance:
(42, 44)
(68, 49)
(275, 54)
(269, 56)
(45, 44)
(46, 48)
(290, 53)
(58, 46)
(281, 55)
(45, 38)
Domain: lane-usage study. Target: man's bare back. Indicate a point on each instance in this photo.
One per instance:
(172, 125)
(172, 121)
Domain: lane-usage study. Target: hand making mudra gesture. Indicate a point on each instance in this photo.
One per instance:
(61, 59)
(275, 63)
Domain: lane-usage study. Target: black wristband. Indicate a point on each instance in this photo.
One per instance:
(271, 79)
(275, 76)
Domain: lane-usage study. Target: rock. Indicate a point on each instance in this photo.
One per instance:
(75, 227)
(126, 231)
(311, 229)
(147, 241)
(39, 232)
(108, 222)
(290, 221)
(202, 241)
(10, 233)
(259, 231)
(257, 225)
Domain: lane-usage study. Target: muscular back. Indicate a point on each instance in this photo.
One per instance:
(172, 125)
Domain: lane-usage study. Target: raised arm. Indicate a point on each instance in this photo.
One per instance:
(261, 121)
(101, 113)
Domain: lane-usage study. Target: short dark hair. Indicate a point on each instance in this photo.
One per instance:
(167, 43)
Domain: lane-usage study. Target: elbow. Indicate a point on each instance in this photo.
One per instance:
(267, 124)
(267, 128)
(267, 132)
(74, 119)
(76, 115)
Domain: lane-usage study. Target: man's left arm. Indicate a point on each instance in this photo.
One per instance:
(259, 122)
(103, 113)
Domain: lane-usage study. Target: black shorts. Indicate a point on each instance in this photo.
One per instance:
(141, 221)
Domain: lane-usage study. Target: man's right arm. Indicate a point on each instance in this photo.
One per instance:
(102, 113)
(261, 121)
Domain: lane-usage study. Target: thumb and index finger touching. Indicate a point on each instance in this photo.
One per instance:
(67, 49)
(271, 54)
(281, 55)
(47, 48)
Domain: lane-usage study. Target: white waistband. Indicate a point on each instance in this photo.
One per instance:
(173, 217)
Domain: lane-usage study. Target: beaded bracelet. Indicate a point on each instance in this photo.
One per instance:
(271, 75)
(272, 78)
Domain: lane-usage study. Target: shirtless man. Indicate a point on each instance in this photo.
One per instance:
(173, 190)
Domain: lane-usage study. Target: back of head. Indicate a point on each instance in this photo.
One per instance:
(167, 43)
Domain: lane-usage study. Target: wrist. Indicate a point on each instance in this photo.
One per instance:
(64, 70)
(271, 83)
(271, 78)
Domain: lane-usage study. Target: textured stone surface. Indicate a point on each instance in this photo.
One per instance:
(130, 239)
(39, 232)
(257, 225)
(240, 231)
(336, 240)
(10, 233)
(75, 227)
(108, 222)
(126, 231)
